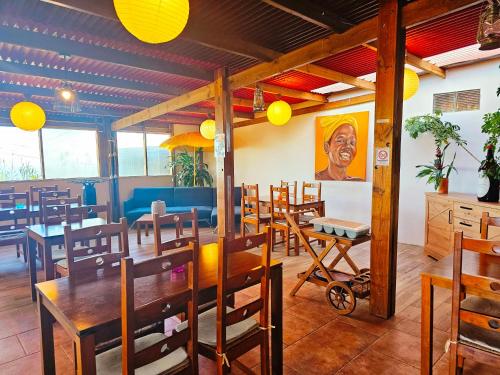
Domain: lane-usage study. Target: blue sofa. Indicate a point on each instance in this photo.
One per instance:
(179, 199)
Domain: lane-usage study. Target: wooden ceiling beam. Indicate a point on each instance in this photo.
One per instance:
(292, 93)
(415, 61)
(333, 75)
(313, 13)
(365, 32)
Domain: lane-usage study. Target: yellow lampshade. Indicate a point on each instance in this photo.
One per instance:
(27, 116)
(207, 129)
(153, 21)
(279, 112)
(411, 83)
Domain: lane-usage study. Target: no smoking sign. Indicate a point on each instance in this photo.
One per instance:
(382, 156)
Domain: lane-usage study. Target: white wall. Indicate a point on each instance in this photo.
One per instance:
(265, 154)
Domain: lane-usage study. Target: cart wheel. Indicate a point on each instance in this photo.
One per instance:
(341, 297)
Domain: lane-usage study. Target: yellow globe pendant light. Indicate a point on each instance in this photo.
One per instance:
(207, 129)
(153, 21)
(411, 83)
(279, 112)
(27, 116)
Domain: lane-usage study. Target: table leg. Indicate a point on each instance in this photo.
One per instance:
(277, 320)
(427, 325)
(32, 266)
(46, 339)
(146, 230)
(138, 227)
(49, 264)
(85, 355)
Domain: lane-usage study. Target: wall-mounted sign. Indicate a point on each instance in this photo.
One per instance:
(220, 145)
(382, 156)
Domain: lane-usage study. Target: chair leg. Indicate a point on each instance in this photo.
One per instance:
(287, 242)
(242, 228)
(264, 356)
(273, 237)
(17, 250)
(25, 252)
(453, 360)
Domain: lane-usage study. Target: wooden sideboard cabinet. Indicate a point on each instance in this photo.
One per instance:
(447, 213)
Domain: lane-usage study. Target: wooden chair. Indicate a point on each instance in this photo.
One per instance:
(292, 190)
(36, 190)
(178, 221)
(224, 333)
(475, 319)
(75, 214)
(250, 209)
(311, 192)
(156, 353)
(13, 221)
(54, 209)
(488, 221)
(7, 203)
(96, 254)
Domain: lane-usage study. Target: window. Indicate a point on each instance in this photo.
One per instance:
(467, 100)
(70, 153)
(131, 158)
(20, 155)
(158, 158)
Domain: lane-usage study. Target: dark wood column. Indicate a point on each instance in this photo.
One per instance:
(224, 154)
(385, 194)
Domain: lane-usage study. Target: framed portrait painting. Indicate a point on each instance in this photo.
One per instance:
(341, 147)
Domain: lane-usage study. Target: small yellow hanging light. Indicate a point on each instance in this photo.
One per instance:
(411, 83)
(27, 116)
(207, 129)
(279, 113)
(153, 21)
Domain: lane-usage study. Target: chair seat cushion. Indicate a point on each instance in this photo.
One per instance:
(110, 362)
(64, 262)
(13, 235)
(203, 211)
(58, 255)
(261, 216)
(207, 327)
(479, 337)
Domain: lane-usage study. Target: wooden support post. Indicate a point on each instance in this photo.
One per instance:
(385, 194)
(224, 154)
(114, 187)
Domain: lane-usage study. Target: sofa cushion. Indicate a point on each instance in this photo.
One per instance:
(237, 215)
(136, 213)
(143, 196)
(204, 212)
(192, 197)
(237, 196)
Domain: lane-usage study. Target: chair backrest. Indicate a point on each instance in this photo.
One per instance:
(485, 287)
(292, 190)
(280, 202)
(15, 213)
(134, 318)
(36, 190)
(8, 190)
(250, 200)
(178, 221)
(244, 279)
(97, 251)
(54, 209)
(486, 222)
(311, 192)
(75, 214)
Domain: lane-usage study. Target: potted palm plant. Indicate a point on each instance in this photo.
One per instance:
(190, 170)
(489, 170)
(444, 133)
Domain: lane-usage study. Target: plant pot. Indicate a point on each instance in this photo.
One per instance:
(443, 186)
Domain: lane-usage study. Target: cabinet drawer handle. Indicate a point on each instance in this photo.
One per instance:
(466, 208)
(465, 224)
(450, 221)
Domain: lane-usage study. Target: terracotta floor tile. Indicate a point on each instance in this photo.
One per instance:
(30, 340)
(328, 350)
(320, 312)
(406, 347)
(10, 349)
(296, 327)
(372, 362)
(18, 320)
(362, 318)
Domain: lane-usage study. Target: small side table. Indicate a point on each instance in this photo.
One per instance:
(145, 220)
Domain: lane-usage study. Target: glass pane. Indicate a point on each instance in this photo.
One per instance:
(131, 160)
(158, 158)
(70, 153)
(19, 155)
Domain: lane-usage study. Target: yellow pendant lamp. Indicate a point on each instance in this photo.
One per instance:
(27, 116)
(153, 21)
(207, 129)
(279, 113)
(411, 83)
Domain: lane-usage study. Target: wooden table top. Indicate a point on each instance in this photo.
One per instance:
(472, 263)
(57, 230)
(90, 305)
(146, 218)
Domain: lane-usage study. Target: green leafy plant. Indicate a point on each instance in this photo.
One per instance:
(438, 170)
(491, 127)
(185, 165)
(443, 132)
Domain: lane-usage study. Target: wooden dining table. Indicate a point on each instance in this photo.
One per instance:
(440, 274)
(319, 206)
(48, 236)
(90, 310)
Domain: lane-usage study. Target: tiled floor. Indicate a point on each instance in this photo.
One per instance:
(316, 339)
